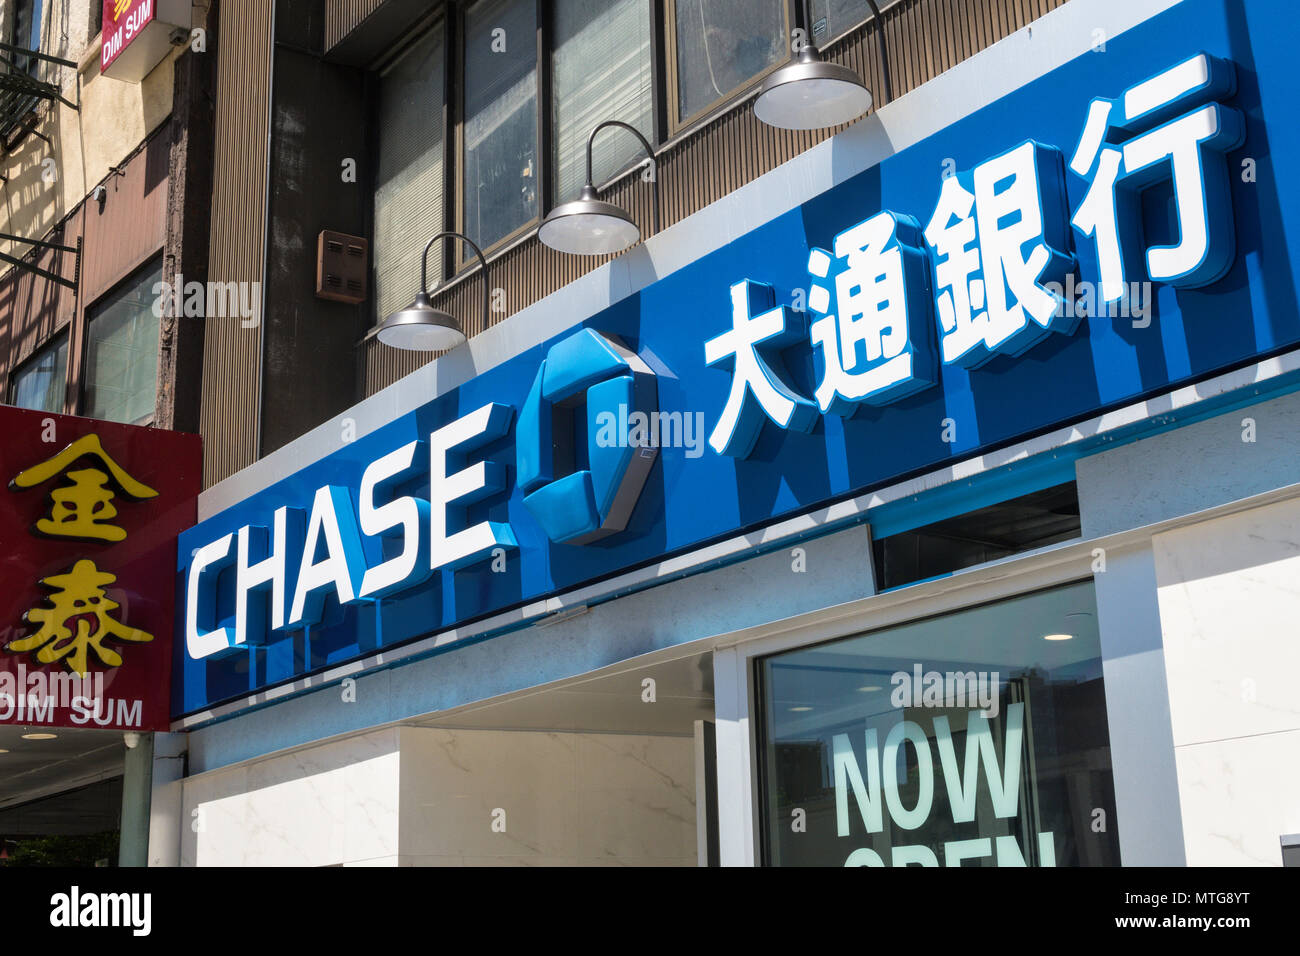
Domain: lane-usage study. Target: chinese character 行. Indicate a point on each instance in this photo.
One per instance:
(1165, 129)
(875, 345)
(78, 621)
(774, 328)
(999, 236)
(83, 509)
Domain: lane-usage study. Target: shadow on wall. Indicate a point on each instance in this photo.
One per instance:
(416, 796)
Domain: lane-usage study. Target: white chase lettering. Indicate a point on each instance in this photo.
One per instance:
(347, 549)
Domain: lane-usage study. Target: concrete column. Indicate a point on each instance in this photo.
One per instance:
(133, 850)
(1137, 711)
(167, 820)
(735, 804)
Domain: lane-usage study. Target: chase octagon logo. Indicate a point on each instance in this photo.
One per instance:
(586, 382)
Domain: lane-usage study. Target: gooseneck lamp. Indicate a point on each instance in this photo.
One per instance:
(589, 226)
(811, 93)
(420, 327)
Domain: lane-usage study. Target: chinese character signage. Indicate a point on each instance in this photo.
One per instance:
(1111, 231)
(89, 514)
(997, 247)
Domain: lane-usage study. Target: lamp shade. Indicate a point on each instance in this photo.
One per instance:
(811, 94)
(421, 328)
(588, 226)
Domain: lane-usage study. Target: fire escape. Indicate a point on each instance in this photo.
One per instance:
(22, 92)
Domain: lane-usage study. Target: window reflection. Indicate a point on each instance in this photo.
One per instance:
(42, 383)
(829, 19)
(976, 739)
(501, 175)
(722, 44)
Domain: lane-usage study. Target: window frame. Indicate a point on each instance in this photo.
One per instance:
(830, 41)
(680, 126)
(463, 258)
(868, 626)
(37, 7)
(438, 21)
(63, 337)
(146, 265)
(458, 261)
(738, 655)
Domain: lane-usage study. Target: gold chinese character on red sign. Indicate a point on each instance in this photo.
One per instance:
(78, 621)
(84, 509)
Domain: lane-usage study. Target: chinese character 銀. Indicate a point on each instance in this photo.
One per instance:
(999, 236)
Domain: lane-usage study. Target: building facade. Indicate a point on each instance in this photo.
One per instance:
(1019, 599)
(918, 491)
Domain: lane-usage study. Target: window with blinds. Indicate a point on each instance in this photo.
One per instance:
(122, 351)
(409, 187)
(601, 71)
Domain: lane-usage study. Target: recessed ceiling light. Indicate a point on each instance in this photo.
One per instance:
(870, 688)
(1058, 637)
(39, 736)
(799, 710)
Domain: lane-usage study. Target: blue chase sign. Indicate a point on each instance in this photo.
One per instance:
(1114, 229)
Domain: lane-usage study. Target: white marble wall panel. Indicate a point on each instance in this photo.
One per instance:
(336, 804)
(1239, 796)
(425, 797)
(568, 799)
(1229, 595)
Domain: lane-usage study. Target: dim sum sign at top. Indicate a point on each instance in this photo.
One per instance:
(139, 34)
(124, 20)
(928, 297)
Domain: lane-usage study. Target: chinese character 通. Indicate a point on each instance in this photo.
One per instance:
(876, 344)
(84, 508)
(1161, 130)
(772, 328)
(78, 621)
(998, 234)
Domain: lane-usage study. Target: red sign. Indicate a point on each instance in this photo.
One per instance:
(124, 20)
(89, 514)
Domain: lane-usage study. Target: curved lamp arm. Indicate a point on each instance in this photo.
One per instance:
(884, 51)
(645, 144)
(424, 267)
(880, 43)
